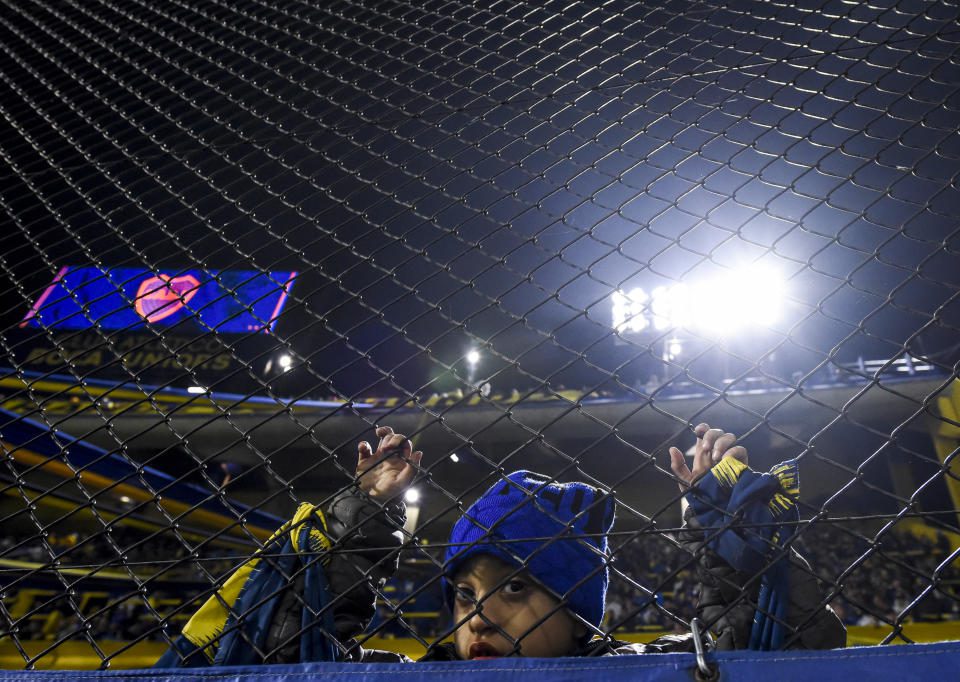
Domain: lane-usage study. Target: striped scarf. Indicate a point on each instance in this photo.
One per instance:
(232, 626)
(749, 517)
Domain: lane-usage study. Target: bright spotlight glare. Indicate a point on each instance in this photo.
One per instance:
(473, 357)
(675, 348)
(412, 495)
(674, 307)
(749, 297)
(629, 310)
(746, 297)
(196, 389)
(285, 361)
(454, 458)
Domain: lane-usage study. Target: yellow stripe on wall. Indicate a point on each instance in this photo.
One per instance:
(174, 507)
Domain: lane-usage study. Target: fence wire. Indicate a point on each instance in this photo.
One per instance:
(547, 236)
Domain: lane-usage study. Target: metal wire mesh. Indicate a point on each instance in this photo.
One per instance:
(238, 236)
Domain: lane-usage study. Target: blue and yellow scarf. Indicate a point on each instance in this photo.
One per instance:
(748, 518)
(231, 627)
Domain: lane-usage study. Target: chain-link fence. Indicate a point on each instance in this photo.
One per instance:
(544, 236)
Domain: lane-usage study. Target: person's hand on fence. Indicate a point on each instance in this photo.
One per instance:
(390, 470)
(712, 446)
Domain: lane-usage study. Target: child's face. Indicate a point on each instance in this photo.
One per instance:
(518, 618)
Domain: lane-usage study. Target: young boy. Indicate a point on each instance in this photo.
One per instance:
(525, 571)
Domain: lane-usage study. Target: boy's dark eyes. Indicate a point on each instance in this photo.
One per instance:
(462, 593)
(514, 587)
(466, 594)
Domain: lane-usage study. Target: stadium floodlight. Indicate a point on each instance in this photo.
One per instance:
(412, 496)
(473, 356)
(285, 361)
(674, 307)
(196, 389)
(629, 310)
(749, 297)
(674, 348)
(454, 458)
(745, 297)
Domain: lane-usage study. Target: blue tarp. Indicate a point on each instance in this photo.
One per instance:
(934, 662)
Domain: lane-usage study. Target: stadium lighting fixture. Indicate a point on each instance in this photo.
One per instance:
(744, 297)
(748, 297)
(454, 458)
(412, 496)
(473, 356)
(629, 310)
(674, 348)
(285, 361)
(125, 500)
(196, 389)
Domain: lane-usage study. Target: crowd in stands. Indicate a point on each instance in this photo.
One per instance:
(115, 609)
(890, 581)
(652, 580)
(883, 586)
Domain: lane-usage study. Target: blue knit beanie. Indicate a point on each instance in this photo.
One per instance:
(514, 521)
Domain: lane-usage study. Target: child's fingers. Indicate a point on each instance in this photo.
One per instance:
(721, 445)
(700, 430)
(396, 444)
(738, 452)
(363, 453)
(679, 465)
(710, 439)
(416, 457)
(703, 459)
(383, 432)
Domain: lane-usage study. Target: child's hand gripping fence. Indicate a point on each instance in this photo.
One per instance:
(551, 237)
